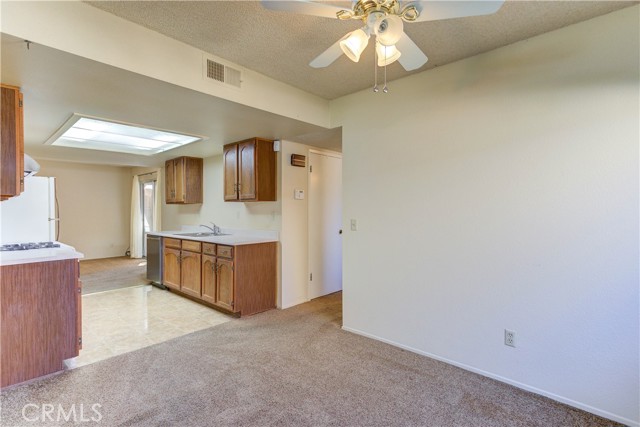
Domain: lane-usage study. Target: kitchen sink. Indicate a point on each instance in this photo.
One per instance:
(202, 234)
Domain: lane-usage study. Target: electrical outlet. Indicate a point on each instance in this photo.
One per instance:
(354, 225)
(509, 338)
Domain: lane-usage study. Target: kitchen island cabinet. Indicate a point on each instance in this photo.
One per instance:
(40, 314)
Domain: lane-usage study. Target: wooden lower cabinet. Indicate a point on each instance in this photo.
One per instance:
(226, 285)
(190, 263)
(40, 309)
(171, 270)
(238, 279)
(209, 276)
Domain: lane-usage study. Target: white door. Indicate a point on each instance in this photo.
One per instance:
(325, 223)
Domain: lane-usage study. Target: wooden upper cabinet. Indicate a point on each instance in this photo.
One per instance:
(250, 171)
(230, 160)
(11, 142)
(247, 170)
(183, 180)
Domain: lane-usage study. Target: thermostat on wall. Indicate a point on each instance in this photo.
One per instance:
(298, 194)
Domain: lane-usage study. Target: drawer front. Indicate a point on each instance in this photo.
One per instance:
(171, 243)
(209, 248)
(191, 246)
(225, 251)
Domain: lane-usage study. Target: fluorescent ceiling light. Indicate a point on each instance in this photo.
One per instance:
(99, 134)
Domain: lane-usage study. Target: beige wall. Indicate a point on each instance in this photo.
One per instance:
(94, 206)
(504, 191)
(294, 234)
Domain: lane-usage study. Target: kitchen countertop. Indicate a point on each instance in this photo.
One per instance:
(39, 255)
(235, 238)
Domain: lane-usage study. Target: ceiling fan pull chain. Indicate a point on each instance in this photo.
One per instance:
(375, 72)
(385, 89)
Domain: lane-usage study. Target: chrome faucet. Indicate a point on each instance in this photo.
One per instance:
(215, 229)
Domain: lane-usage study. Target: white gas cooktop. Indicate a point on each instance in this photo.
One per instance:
(23, 253)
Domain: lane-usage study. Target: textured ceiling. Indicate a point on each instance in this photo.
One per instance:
(281, 45)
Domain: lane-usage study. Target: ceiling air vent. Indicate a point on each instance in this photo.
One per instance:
(222, 73)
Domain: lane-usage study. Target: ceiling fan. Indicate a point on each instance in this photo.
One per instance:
(384, 19)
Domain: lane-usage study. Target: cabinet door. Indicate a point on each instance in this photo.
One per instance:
(230, 157)
(209, 278)
(169, 181)
(225, 293)
(171, 270)
(190, 273)
(247, 170)
(11, 143)
(180, 175)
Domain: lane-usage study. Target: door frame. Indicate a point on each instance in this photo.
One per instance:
(327, 153)
(152, 178)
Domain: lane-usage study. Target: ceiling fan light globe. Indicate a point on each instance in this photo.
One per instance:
(386, 54)
(389, 30)
(354, 43)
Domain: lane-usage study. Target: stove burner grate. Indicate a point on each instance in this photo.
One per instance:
(27, 246)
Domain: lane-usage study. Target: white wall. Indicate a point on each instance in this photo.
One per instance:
(94, 206)
(294, 236)
(504, 191)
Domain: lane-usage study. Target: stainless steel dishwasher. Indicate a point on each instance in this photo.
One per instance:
(154, 260)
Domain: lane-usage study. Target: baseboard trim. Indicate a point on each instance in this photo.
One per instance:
(523, 386)
(293, 304)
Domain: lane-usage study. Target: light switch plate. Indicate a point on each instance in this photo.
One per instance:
(298, 194)
(354, 225)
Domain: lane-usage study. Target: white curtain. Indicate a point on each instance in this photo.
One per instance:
(157, 208)
(136, 220)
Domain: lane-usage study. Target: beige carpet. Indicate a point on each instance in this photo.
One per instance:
(107, 274)
(294, 367)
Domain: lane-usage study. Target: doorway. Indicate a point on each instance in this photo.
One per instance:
(147, 208)
(325, 223)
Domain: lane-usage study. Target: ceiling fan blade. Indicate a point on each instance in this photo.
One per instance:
(327, 57)
(411, 56)
(435, 10)
(302, 6)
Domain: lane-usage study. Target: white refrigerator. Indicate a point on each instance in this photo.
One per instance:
(31, 216)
